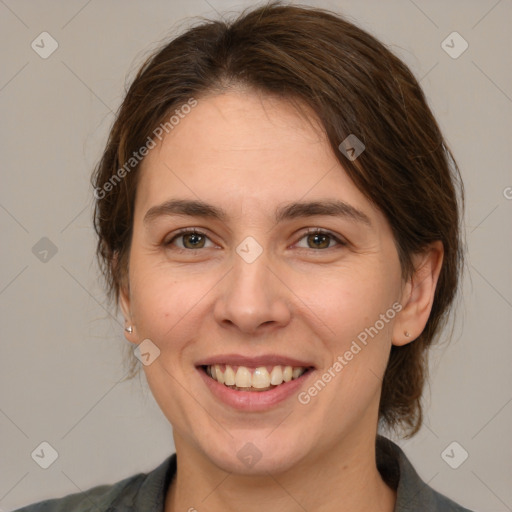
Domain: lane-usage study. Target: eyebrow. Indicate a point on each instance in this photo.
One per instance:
(197, 208)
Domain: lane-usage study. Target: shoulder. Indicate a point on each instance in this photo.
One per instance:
(413, 494)
(99, 497)
(443, 503)
(131, 493)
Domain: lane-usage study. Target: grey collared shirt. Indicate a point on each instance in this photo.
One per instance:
(145, 492)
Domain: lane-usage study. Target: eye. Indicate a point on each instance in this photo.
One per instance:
(320, 239)
(191, 239)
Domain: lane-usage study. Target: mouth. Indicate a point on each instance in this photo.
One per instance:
(254, 384)
(254, 379)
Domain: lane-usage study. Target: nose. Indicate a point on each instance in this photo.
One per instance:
(252, 298)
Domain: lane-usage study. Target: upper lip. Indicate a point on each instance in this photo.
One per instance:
(262, 360)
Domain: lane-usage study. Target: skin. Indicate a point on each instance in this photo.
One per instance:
(249, 154)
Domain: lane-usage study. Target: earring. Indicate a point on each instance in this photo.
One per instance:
(406, 334)
(129, 329)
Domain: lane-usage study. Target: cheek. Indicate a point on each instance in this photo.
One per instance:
(156, 297)
(359, 313)
(353, 300)
(164, 299)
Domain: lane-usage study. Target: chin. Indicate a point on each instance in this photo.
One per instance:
(256, 454)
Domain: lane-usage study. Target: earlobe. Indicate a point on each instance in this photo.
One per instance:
(124, 301)
(418, 295)
(125, 304)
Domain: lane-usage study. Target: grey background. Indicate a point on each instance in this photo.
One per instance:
(61, 362)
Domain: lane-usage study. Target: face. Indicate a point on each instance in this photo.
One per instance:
(290, 266)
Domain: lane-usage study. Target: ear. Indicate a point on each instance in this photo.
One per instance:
(418, 295)
(125, 304)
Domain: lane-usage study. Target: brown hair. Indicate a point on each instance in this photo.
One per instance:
(356, 86)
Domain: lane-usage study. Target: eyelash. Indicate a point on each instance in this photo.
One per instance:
(310, 231)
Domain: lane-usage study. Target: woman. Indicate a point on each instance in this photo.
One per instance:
(278, 219)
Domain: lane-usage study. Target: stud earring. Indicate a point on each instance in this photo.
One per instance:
(129, 329)
(406, 334)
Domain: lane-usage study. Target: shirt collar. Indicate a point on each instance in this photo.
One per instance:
(398, 472)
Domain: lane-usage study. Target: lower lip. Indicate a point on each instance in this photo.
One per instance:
(254, 400)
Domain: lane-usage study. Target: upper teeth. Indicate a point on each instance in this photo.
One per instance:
(258, 378)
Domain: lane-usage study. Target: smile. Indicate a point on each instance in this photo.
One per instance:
(254, 383)
(261, 378)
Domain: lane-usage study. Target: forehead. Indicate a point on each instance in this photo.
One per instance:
(242, 148)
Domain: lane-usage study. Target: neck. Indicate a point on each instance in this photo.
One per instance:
(343, 478)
